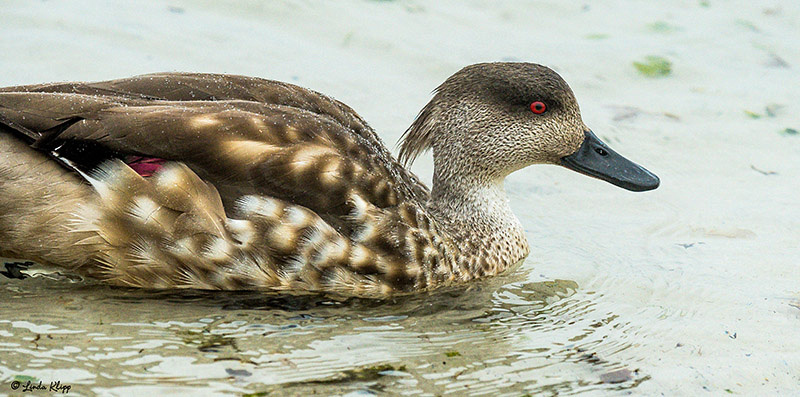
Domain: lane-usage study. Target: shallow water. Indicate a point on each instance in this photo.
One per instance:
(686, 289)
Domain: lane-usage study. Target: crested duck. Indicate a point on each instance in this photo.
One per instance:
(210, 181)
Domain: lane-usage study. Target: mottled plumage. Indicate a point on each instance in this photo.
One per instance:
(269, 185)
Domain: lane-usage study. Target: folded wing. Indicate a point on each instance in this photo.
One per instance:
(244, 135)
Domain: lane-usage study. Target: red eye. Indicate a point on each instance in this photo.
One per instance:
(538, 107)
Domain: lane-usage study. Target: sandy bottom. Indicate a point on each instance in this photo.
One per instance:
(686, 289)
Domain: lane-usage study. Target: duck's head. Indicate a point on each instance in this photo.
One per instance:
(491, 119)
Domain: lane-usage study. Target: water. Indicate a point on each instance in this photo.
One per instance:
(688, 289)
(486, 338)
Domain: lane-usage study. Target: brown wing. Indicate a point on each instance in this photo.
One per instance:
(244, 135)
(212, 87)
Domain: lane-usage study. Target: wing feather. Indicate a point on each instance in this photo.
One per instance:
(244, 135)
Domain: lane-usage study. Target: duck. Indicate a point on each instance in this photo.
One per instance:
(227, 182)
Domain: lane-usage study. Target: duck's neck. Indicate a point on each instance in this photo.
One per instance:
(475, 213)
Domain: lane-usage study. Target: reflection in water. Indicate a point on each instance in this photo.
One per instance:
(503, 334)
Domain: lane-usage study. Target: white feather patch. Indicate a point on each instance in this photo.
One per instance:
(144, 208)
(85, 218)
(104, 177)
(217, 250)
(297, 216)
(170, 174)
(367, 232)
(359, 255)
(323, 226)
(264, 206)
(360, 207)
(242, 231)
(313, 239)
